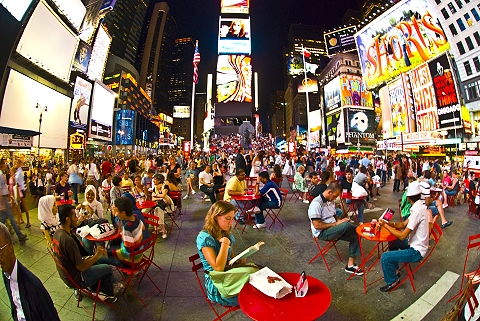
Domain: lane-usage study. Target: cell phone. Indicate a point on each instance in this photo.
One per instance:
(387, 215)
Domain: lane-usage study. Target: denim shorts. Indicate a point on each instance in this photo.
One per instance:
(434, 210)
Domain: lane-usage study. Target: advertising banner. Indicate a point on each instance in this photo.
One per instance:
(234, 36)
(307, 85)
(101, 116)
(398, 107)
(360, 124)
(424, 99)
(448, 106)
(124, 123)
(331, 92)
(336, 128)
(80, 104)
(295, 65)
(341, 40)
(98, 58)
(353, 91)
(402, 38)
(235, 6)
(234, 79)
(181, 111)
(9, 140)
(82, 57)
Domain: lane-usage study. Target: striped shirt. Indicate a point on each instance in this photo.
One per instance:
(425, 188)
(132, 234)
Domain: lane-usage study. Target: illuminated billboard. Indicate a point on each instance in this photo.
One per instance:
(401, 39)
(181, 111)
(82, 57)
(98, 58)
(360, 124)
(234, 36)
(424, 99)
(448, 107)
(353, 91)
(295, 66)
(101, 119)
(16, 7)
(331, 93)
(124, 123)
(80, 104)
(341, 40)
(235, 6)
(335, 130)
(234, 79)
(307, 85)
(386, 112)
(399, 111)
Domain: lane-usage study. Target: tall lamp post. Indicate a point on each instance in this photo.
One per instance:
(42, 110)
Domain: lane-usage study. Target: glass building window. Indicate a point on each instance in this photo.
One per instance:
(468, 19)
(445, 13)
(476, 63)
(477, 37)
(475, 14)
(461, 25)
(459, 3)
(453, 30)
(472, 90)
(452, 8)
(468, 68)
(469, 43)
(460, 47)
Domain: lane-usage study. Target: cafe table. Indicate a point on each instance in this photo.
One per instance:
(64, 202)
(353, 206)
(146, 204)
(258, 306)
(246, 202)
(435, 193)
(379, 238)
(116, 235)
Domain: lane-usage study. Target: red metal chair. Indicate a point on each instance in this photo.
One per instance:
(196, 267)
(135, 272)
(251, 182)
(472, 207)
(274, 212)
(436, 233)
(176, 197)
(278, 181)
(81, 291)
(323, 250)
(295, 192)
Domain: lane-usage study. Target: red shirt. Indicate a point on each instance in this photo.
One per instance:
(106, 168)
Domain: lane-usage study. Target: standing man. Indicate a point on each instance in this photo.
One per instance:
(5, 209)
(106, 167)
(326, 226)
(240, 159)
(271, 198)
(29, 300)
(205, 180)
(20, 179)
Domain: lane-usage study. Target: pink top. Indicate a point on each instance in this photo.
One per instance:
(447, 180)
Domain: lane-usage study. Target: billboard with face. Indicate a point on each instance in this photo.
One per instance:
(335, 130)
(234, 36)
(234, 79)
(424, 99)
(353, 92)
(82, 57)
(341, 40)
(448, 107)
(361, 124)
(235, 6)
(399, 40)
(80, 104)
(399, 110)
(331, 92)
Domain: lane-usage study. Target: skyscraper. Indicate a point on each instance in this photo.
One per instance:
(311, 37)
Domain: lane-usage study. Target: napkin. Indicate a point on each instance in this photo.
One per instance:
(270, 283)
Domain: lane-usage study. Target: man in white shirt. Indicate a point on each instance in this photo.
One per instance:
(205, 180)
(412, 238)
(21, 185)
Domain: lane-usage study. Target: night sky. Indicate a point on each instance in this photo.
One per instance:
(270, 22)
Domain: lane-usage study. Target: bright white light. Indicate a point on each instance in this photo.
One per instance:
(16, 7)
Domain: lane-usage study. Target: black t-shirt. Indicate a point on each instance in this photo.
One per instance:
(319, 189)
(346, 185)
(68, 253)
(59, 189)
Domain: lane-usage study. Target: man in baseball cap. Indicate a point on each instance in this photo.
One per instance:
(412, 236)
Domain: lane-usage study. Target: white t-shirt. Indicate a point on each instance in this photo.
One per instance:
(207, 178)
(418, 223)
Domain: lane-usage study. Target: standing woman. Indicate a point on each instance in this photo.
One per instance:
(15, 200)
(74, 179)
(218, 177)
(215, 247)
(257, 164)
(288, 169)
(300, 183)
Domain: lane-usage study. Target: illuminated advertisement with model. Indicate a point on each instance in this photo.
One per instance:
(80, 104)
(234, 36)
(101, 118)
(331, 92)
(404, 37)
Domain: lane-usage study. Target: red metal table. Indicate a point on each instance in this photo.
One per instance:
(146, 204)
(435, 193)
(246, 202)
(353, 206)
(380, 238)
(112, 237)
(258, 306)
(60, 203)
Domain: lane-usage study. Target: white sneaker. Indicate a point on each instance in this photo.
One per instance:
(306, 201)
(259, 226)
(205, 197)
(193, 192)
(254, 210)
(185, 197)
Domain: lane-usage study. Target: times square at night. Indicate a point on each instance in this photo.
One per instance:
(152, 93)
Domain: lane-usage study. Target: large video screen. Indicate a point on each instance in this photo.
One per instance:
(399, 40)
(101, 118)
(74, 10)
(234, 36)
(341, 40)
(124, 121)
(181, 112)
(234, 79)
(98, 58)
(80, 104)
(235, 6)
(22, 94)
(48, 43)
(16, 7)
(331, 93)
(307, 85)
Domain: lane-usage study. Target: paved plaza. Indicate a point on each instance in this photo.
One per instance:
(286, 249)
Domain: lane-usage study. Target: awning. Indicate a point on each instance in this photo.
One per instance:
(15, 131)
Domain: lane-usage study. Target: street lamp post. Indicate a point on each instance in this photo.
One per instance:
(42, 110)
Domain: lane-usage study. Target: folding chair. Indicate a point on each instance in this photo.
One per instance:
(437, 233)
(176, 197)
(472, 207)
(278, 181)
(251, 181)
(139, 270)
(323, 250)
(220, 193)
(473, 242)
(451, 199)
(291, 184)
(274, 212)
(196, 267)
(82, 291)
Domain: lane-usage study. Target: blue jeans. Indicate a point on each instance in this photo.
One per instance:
(7, 213)
(399, 251)
(75, 191)
(453, 192)
(360, 205)
(263, 205)
(99, 272)
(345, 232)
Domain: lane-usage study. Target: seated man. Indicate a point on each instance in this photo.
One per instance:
(206, 183)
(271, 197)
(347, 185)
(84, 270)
(434, 206)
(236, 186)
(313, 182)
(34, 190)
(326, 226)
(412, 238)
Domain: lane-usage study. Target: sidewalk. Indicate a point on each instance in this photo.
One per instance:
(286, 249)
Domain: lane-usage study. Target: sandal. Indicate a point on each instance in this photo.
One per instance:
(28, 225)
(164, 234)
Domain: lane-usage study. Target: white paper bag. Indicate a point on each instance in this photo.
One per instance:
(270, 283)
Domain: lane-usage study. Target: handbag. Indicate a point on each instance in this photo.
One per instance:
(229, 283)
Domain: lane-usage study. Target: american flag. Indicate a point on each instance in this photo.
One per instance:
(196, 60)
